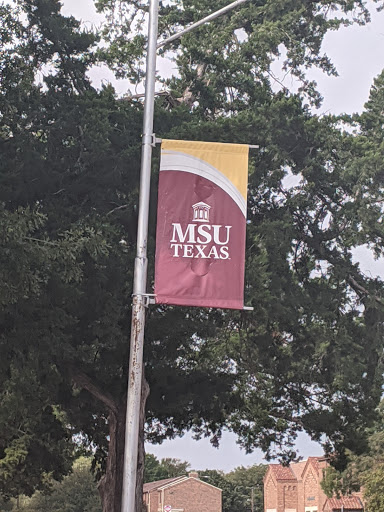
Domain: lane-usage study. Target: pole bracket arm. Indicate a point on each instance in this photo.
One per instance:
(151, 139)
(147, 298)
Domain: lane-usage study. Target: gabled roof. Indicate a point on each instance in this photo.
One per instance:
(282, 472)
(295, 471)
(314, 462)
(169, 482)
(298, 469)
(151, 486)
(345, 503)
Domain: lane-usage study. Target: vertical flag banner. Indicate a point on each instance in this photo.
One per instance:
(201, 221)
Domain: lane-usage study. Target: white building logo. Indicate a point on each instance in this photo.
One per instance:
(201, 212)
(203, 240)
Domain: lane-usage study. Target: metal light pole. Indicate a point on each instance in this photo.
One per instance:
(140, 297)
(140, 277)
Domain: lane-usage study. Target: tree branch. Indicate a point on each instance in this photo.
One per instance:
(359, 289)
(335, 259)
(122, 207)
(83, 381)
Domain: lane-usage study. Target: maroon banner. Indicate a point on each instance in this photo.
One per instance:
(200, 240)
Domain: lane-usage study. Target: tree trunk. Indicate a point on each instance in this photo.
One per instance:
(110, 484)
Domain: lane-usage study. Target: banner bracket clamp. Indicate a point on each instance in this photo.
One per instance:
(155, 140)
(149, 298)
(151, 139)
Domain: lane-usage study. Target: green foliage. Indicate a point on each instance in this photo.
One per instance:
(242, 488)
(249, 480)
(374, 489)
(363, 472)
(35, 445)
(235, 51)
(48, 249)
(76, 493)
(165, 468)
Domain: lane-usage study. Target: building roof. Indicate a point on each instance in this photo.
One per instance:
(315, 462)
(298, 469)
(295, 470)
(151, 486)
(282, 472)
(169, 482)
(345, 503)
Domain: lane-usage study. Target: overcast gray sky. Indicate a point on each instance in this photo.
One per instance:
(358, 53)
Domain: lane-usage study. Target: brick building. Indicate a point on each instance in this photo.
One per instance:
(182, 494)
(297, 488)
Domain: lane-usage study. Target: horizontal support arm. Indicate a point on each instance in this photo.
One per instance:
(201, 22)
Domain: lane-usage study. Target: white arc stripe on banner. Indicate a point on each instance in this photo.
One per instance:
(178, 161)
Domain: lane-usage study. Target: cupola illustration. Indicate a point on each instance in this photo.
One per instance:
(201, 212)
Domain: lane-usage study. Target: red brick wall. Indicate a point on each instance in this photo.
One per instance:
(190, 496)
(311, 488)
(279, 496)
(300, 496)
(290, 496)
(154, 501)
(286, 496)
(270, 493)
(322, 497)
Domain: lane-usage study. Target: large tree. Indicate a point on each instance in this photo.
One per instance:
(308, 358)
(367, 470)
